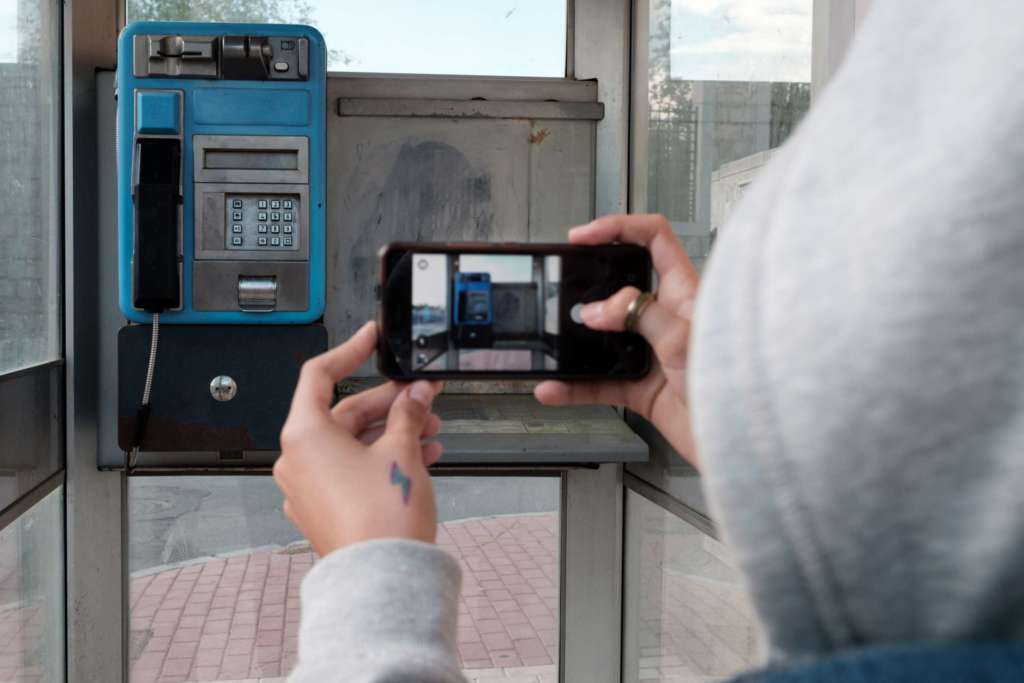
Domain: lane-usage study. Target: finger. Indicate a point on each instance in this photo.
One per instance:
(667, 333)
(374, 432)
(433, 426)
(315, 389)
(409, 413)
(652, 231)
(358, 412)
(610, 315)
(286, 508)
(432, 453)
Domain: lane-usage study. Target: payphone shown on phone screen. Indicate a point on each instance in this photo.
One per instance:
(221, 169)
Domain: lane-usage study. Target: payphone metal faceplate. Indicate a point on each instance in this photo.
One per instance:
(243, 108)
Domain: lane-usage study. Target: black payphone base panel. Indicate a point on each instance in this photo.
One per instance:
(257, 366)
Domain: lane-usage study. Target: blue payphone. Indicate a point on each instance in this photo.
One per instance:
(472, 312)
(221, 171)
(221, 132)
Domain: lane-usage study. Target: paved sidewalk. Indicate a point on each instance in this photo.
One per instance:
(522, 674)
(236, 618)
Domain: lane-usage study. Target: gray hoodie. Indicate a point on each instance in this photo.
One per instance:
(858, 357)
(857, 374)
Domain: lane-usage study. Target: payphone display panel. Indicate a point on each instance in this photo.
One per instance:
(221, 172)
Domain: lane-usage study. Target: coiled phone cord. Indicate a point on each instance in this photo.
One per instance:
(154, 340)
(142, 417)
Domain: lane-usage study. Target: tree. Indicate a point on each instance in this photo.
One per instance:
(242, 11)
(238, 11)
(672, 125)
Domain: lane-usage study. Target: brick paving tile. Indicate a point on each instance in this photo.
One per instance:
(236, 618)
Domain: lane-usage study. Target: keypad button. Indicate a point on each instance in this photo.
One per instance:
(287, 216)
(275, 203)
(262, 203)
(262, 227)
(262, 241)
(275, 228)
(236, 228)
(262, 216)
(287, 203)
(287, 229)
(236, 215)
(236, 203)
(287, 241)
(236, 240)
(275, 241)
(275, 216)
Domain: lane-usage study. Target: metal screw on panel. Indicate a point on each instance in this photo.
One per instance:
(223, 388)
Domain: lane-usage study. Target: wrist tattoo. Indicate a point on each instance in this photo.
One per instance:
(399, 479)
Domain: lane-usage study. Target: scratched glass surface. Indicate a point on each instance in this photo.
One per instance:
(727, 83)
(461, 37)
(688, 619)
(32, 594)
(30, 218)
(214, 574)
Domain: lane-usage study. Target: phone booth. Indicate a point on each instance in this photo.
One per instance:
(253, 193)
(198, 207)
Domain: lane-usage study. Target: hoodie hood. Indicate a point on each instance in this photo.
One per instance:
(857, 360)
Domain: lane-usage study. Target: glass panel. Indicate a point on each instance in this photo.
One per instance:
(32, 425)
(688, 619)
(30, 197)
(215, 571)
(479, 37)
(32, 594)
(728, 81)
(665, 469)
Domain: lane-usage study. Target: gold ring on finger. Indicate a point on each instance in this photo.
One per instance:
(636, 309)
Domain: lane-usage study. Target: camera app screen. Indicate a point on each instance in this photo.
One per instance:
(485, 312)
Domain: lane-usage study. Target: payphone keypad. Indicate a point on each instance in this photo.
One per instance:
(263, 222)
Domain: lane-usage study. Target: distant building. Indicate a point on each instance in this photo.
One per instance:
(729, 183)
(706, 139)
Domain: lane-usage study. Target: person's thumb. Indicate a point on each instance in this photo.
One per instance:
(667, 333)
(409, 412)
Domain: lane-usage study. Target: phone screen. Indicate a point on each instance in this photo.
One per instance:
(449, 311)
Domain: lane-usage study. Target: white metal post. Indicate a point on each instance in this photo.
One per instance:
(95, 540)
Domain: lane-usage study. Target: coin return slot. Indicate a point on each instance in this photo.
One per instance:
(257, 294)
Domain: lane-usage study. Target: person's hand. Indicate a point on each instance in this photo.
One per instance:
(665, 324)
(347, 473)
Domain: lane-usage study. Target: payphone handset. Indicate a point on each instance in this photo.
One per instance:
(221, 172)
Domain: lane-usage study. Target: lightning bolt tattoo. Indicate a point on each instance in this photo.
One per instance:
(399, 479)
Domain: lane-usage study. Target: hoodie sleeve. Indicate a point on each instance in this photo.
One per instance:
(380, 611)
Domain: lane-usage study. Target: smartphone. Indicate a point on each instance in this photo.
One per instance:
(485, 311)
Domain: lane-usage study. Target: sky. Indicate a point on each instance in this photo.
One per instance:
(483, 37)
(502, 267)
(761, 40)
(8, 30)
(430, 280)
(741, 40)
